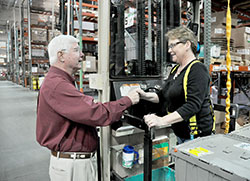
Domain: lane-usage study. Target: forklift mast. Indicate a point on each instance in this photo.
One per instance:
(138, 45)
(138, 53)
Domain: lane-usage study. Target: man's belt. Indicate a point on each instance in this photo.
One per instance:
(73, 155)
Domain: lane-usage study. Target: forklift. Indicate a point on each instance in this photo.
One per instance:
(132, 53)
(138, 56)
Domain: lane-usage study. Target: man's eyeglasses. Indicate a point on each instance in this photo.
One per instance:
(174, 44)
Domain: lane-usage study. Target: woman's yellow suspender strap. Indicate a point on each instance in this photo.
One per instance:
(192, 121)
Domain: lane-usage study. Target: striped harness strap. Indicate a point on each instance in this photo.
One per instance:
(192, 121)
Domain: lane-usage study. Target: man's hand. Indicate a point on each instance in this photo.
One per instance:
(134, 96)
(143, 95)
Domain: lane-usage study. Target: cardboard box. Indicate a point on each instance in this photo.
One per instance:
(90, 64)
(245, 53)
(247, 62)
(52, 35)
(218, 22)
(220, 18)
(160, 152)
(215, 51)
(37, 52)
(34, 19)
(235, 57)
(218, 31)
(39, 35)
(90, 26)
(220, 128)
(241, 37)
(219, 116)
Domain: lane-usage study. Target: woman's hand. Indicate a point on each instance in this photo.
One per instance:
(152, 120)
(142, 93)
(149, 96)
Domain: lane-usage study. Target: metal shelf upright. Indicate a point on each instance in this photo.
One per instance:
(22, 51)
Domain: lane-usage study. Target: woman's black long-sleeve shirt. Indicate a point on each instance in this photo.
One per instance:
(173, 99)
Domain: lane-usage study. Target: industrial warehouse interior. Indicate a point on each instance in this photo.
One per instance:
(124, 90)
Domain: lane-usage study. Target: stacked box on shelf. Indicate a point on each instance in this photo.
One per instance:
(208, 159)
(51, 19)
(53, 34)
(241, 37)
(42, 19)
(39, 35)
(90, 26)
(236, 59)
(218, 22)
(39, 40)
(90, 64)
(34, 19)
(38, 51)
(38, 19)
(245, 55)
(218, 36)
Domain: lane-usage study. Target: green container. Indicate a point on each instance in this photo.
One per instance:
(160, 174)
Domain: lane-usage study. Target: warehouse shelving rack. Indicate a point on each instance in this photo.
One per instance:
(87, 43)
(218, 72)
(20, 66)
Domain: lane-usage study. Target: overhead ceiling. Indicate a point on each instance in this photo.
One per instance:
(239, 6)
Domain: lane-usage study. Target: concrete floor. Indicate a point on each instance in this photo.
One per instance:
(21, 157)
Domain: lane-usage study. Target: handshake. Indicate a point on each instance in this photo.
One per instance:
(151, 119)
(135, 95)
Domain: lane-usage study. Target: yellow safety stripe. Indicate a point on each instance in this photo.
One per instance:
(192, 121)
(214, 118)
(186, 78)
(175, 68)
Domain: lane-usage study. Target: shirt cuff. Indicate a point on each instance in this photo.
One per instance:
(125, 101)
(182, 114)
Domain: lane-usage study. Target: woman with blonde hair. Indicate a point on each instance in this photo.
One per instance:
(185, 101)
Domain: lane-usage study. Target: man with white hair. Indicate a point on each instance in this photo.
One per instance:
(67, 119)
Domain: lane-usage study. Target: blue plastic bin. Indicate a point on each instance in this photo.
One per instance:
(160, 174)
